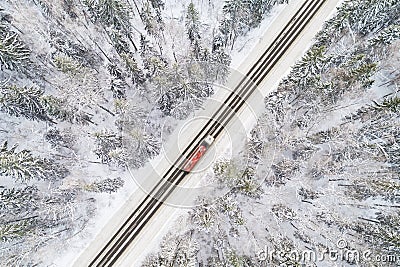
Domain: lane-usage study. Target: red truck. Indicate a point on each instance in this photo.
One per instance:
(198, 153)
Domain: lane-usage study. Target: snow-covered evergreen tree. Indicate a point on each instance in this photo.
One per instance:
(18, 201)
(23, 166)
(205, 216)
(14, 54)
(118, 83)
(176, 250)
(154, 63)
(133, 69)
(108, 146)
(145, 144)
(60, 109)
(307, 72)
(119, 41)
(183, 89)
(157, 4)
(237, 14)
(59, 139)
(107, 185)
(387, 36)
(360, 17)
(152, 20)
(22, 101)
(114, 13)
(67, 64)
(13, 230)
(192, 24)
(220, 62)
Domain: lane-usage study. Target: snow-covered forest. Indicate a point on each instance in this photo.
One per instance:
(320, 186)
(83, 83)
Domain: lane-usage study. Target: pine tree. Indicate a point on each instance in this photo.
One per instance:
(110, 13)
(192, 24)
(358, 69)
(387, 36)
(236, 18)
(361, 17)
(67, 64)
(204, 216)
(119, 42)
(363, 74)
(58, 139)
(259, 8)
(157, 4)
(220, 62)
(118, 84)
(229, 206)
(107, 143)
(44, 7)
(114, 14)
(131, 65)
(233, 259)
(22, 101)
(107, 185)
(392, 104)
(17, 201)
(183, 89)
(23, 166)
(308, 70)
(147, 145)
(69, 7)
(59, 109)
(153, 23)
(154, 64)
(14, 54)
(13, 230)
(176, 250)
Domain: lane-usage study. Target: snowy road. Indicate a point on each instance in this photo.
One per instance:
(233, 135)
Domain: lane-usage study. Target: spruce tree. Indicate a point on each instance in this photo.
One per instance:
(157, 4)
(22, 101)
(114, 15)
(110, 13)
(192, 24)
(105, 186)
(67, 64)
(131, 65)
(361, 17)
(109, 148)
(14, 54)
(220, 62)
(154, 63)
(23, 166)
(118, 40)
(16, 201)
(153, 23)
(392, 104)
(387, 36)
(59, 109)
(13, 230)
(237, 15)
(118, 84)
